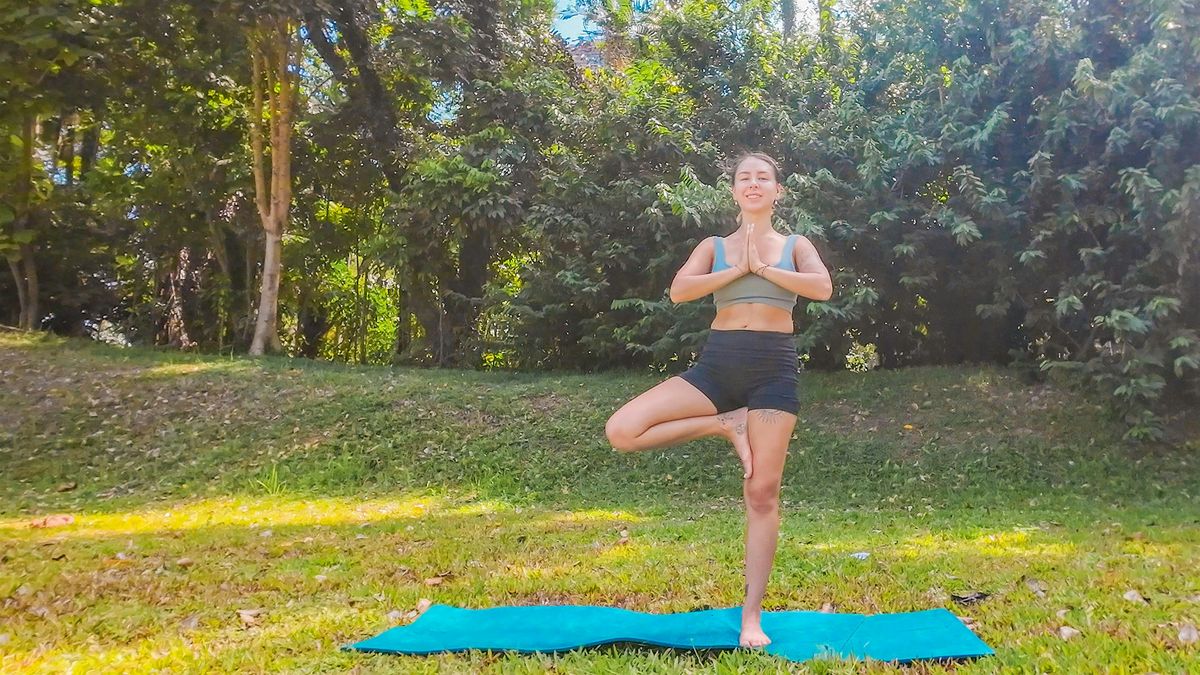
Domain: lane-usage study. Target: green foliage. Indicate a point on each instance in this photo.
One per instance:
(987, 182)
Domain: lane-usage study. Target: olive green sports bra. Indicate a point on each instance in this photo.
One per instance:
(751, 287)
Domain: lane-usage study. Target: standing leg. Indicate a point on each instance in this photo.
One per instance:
(770, 431)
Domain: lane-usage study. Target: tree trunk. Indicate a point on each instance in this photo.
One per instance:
(463, 309)
(423, 304)
(14, 265)
(21, 263)
(272, 56)
(266, 327)
(66, 148)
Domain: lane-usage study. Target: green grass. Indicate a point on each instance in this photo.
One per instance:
(331, 497)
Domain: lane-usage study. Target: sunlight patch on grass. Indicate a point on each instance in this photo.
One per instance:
(195, 368)
(993, 544)
(596, 516)
(244, 512)
(482, 507)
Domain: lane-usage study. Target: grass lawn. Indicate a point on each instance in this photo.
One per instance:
(236, 515)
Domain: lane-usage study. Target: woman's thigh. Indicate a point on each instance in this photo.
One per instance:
(770, 432)
(672, 399)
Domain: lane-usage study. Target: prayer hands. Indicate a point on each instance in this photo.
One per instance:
(753, 261)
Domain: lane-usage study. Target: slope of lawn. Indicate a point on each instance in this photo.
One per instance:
(170, 512)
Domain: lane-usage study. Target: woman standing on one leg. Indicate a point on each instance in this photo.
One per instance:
(744, 385)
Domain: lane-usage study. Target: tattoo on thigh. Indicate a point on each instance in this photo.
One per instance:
(768, 415)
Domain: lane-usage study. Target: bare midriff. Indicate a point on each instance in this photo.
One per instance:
(753, 316)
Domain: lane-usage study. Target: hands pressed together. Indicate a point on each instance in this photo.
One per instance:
(751, 261)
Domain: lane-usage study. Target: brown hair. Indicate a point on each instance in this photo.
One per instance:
(757, 155)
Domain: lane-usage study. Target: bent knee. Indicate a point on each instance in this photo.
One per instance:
(619, 434)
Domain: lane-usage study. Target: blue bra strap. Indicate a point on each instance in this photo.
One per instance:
(787, 252)
(719, 253)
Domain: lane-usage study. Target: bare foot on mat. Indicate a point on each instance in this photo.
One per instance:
(753, 635)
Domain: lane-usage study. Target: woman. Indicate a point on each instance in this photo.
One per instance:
(744, 385)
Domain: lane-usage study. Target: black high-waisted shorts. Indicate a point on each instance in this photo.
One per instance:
(752, 368)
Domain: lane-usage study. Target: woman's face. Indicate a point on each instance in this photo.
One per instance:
(754, 185)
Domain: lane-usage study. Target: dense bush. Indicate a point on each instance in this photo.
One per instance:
(989, 182)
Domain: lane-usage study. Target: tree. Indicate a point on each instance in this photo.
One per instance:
(43, 57)
(273, 52)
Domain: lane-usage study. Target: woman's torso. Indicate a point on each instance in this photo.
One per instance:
(754, 315)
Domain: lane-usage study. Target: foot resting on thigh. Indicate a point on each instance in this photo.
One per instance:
(734, 424)
(752, 632)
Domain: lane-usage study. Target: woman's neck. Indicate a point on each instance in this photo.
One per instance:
(761, 222)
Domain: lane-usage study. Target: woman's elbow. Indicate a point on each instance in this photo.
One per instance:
(823, 292)
(826, 291)
(677, 294)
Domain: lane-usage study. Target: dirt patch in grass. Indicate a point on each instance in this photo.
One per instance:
(546, 403)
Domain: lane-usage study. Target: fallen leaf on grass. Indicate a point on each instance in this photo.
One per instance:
(1062, 613)
(1038, 588)
(1133, 596)
(970, 597)
(185, 562)
(969, 622)
(250, 617)
(56, 520)
(1066, 633)
(66, 487)
(190, 623)
(1188, 634)
(437, 579)
(422, 605)
(395, 615)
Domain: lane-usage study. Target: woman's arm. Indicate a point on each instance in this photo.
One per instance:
(696, 280)
(810, 279)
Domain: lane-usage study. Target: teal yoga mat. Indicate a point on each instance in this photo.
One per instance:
(795, 635)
